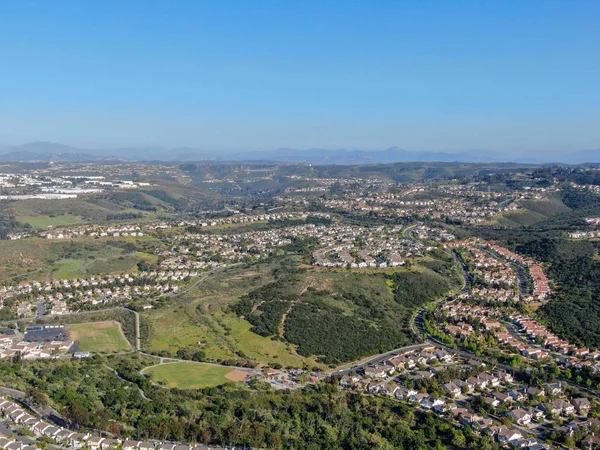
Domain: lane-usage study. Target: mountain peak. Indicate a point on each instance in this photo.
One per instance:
(45, 148)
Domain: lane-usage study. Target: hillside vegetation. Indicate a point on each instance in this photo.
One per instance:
(201, 326)
(574, 311)
(535, 212)
(37, 258)
(342, 316)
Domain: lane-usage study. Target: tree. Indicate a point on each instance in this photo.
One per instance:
(37, 397)
(569, 442)
(79, 415)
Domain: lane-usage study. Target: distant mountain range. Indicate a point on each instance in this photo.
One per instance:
(53, 152)
(49, 152)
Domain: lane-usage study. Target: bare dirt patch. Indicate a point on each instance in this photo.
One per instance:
(237, 375)
(251, 273)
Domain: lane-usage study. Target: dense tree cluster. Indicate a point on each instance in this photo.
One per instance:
(91, 395)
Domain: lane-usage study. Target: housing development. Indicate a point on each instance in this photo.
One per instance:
(195, 306)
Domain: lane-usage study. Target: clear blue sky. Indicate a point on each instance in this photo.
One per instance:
(453, 75)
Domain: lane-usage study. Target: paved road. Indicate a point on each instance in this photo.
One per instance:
(408, 232)
(11, 392)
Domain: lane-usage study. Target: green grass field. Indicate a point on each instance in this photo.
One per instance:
(108, 260)
(98, 337)
(43, 222)
(188, 375)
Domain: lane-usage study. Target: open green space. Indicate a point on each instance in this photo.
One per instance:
(279, 313)
(105, 337)
(102, 262)
(43, 222)
(85, 209)
(190, 375)
(36, 258)
(202, 321)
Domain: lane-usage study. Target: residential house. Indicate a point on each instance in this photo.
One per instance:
(182, 447)
(491, 380)
(517, 395)
(51, 431)
(520, 416)
(110, 443)
(590, 442)
(131, 445)
(147, 446)
(63, 436)
(378, 371)
(535, 393)
(94, 442)
(582, 405)
(77, 440)
(452, 389)
(39, 428)
(553, 388)
(510, 435)
(502, 398)
(376, 388)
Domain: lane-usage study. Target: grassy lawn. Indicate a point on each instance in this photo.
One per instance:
(44, 222)
(188, 375)
(98, 337)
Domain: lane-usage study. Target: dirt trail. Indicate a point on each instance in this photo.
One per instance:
(285, 316)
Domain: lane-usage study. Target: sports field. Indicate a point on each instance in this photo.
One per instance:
(191, 375)
(98, 337)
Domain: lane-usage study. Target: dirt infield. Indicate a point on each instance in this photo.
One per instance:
(237, 375)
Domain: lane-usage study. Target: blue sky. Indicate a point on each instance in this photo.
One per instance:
(502, 76)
